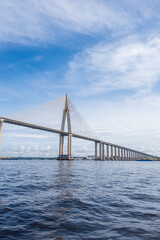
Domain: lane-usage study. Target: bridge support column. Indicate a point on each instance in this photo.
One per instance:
(103, 151)
(128, 155)
(96, 155)
(1, 126)
(115, 153)
(61, 145)
(69, 146)
(122, 154)
(111, 152)
(100, 151)
(119, 157)
(108, 152)
(67, 156)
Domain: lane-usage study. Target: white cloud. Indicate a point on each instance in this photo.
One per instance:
(130, 64)
(38, 58)
(46, 20)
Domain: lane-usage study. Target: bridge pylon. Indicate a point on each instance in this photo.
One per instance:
(66, 116)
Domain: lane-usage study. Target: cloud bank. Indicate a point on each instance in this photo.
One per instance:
(49, 21)
(116, 66)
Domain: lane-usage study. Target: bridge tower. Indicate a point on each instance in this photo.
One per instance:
(66, 115)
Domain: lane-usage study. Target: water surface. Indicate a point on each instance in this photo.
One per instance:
(50, 199)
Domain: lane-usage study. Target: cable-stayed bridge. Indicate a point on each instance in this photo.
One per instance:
(103, 150)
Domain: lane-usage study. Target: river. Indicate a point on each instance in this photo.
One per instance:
(81, 199)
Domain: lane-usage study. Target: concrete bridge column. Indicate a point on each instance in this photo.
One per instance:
(103, 151)
(116, 153)
(133, 155)
(108, 152)
(61, 145)
(128, 156)
(122, 154)
(96, 152)
(69, 146)
(111, 152)
(119, 157)
(100, 151)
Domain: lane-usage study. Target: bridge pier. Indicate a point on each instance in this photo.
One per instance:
(96, 151)
(136, 155)
(122, 154)
(119, 157)
(115, 153)
(67, 156)
(111, 152)
(108, 152)
(128, 155)
(70, 146)
(100, 151)
(61, 145)
(66, 115)
(103, 150)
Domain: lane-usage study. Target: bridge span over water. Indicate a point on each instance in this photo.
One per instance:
(103, 150)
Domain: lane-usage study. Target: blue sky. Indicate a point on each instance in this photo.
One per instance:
(104, 54)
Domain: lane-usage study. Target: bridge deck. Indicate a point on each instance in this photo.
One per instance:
(34, 126)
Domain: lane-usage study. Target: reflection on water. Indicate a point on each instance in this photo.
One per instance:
(79, 200)
(63, 182)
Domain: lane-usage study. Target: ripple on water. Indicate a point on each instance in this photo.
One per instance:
(79, 200)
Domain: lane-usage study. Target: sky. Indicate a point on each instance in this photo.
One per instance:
(105, 54)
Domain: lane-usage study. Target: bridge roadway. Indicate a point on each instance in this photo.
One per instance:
(34, 126)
